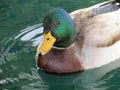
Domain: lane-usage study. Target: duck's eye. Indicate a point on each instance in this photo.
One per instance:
(57, 23)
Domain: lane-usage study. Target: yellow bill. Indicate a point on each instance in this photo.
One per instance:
(47, 44)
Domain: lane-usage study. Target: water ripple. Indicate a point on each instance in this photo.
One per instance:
(30, 33)
(17, 58)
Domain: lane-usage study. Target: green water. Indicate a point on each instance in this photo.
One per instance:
(20, 30)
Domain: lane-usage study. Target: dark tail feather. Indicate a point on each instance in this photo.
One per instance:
(108, 7)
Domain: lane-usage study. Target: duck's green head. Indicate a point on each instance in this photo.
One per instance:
(59, 30)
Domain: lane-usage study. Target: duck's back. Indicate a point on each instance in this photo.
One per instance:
(81, 16)
(98, 19)
(98, 33)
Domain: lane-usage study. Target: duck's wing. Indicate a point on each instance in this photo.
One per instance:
(96, 18)
(98, 33)
(80, 16)
(101, 8)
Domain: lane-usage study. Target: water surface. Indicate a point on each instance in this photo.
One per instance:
(20, 33)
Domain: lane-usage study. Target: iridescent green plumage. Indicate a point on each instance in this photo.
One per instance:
(61, 25)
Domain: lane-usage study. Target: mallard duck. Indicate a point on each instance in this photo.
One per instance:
(84, 39)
